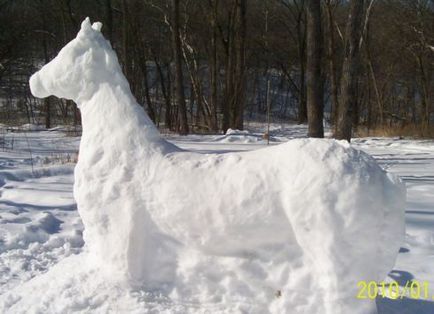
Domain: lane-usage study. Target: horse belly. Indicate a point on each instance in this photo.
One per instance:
(223, 218)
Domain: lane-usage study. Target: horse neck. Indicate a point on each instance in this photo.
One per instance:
(112, 112)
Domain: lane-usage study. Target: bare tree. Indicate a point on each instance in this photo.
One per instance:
(234, 44)
(315, 86)
(213, 62)
(331, 56)
(350, 70)
(179, 84)
(240, 69)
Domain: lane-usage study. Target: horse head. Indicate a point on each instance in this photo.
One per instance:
(79, 68)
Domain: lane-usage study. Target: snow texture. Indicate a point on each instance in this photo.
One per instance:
(294, 226)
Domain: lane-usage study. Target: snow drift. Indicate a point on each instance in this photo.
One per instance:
(291, 228)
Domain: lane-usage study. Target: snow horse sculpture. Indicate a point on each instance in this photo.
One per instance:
(308, 218)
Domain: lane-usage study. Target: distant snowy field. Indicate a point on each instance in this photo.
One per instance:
(39, 223)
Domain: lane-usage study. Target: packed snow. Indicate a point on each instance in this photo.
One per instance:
(293, 226)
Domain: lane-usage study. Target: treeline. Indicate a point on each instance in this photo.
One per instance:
(207, 65)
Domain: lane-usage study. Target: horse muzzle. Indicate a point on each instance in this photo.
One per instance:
(36, 87)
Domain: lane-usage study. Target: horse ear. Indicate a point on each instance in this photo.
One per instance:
(97, 26)
(85, 24)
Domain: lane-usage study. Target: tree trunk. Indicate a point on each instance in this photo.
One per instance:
(315, 88)
(302, 105)
(179, 84)
(350, 71)
(227, 101)
(240, 92)
(424, 94)
(74, 22)
(214, 69)
(126, 46)
(150, 106)
(235, 86)
(47, 101)
(109, 20)
(214, 65)
(166, 94)
(332, 64)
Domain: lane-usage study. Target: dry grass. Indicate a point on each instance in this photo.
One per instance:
(58, 159)
(394, 131)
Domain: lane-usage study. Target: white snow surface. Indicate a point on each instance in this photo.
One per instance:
(289, 228)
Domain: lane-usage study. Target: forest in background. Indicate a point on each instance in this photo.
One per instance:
(206, 66)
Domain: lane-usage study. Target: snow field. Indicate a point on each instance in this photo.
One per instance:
(411, 160)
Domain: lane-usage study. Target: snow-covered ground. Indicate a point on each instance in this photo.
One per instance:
(39, 223)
